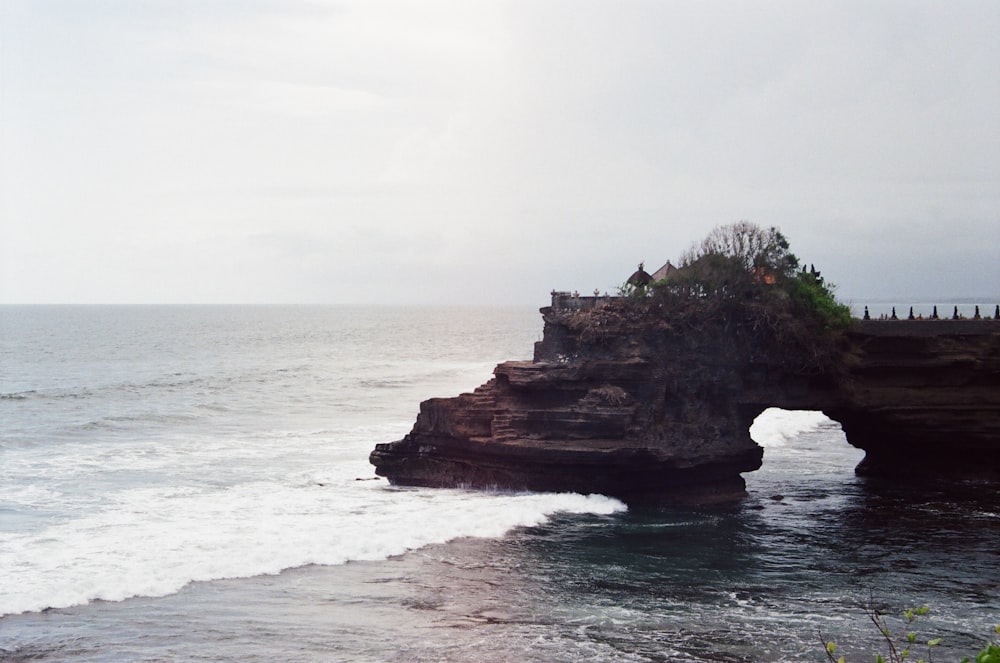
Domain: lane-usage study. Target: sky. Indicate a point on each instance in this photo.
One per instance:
(488, 152)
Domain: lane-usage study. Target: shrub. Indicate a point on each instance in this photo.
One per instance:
(812, 296)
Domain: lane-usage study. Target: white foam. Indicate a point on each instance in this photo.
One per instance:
(774, 427)
(151, 516)
(153, 541)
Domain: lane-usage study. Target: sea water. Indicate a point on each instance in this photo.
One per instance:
(191, 483)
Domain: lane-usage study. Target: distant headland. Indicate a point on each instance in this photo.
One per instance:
(649, 394)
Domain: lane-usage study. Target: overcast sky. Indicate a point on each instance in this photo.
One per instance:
(163, 151)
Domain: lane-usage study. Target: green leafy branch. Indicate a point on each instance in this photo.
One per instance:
(901, 647)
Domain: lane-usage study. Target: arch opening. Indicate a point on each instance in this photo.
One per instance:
(801, 446)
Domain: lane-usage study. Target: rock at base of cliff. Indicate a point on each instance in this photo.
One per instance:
(634, 475)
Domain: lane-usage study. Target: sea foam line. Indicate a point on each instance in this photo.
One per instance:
(157, 540)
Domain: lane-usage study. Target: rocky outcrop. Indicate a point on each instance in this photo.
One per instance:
(923, 398)
(659, 409)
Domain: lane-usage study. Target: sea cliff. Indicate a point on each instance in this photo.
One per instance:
(650, 395)
(653, 410)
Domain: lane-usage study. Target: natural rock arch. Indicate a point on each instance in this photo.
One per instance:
(639, 409)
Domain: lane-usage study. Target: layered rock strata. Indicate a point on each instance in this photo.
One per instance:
(923, 398)
(649, 410)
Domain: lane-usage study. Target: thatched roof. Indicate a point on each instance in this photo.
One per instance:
(664, 271)
(640, 277)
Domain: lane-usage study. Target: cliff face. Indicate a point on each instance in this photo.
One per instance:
(923, 398)
(660, 409)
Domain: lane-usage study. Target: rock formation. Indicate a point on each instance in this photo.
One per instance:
(642, 407)
(923, 398)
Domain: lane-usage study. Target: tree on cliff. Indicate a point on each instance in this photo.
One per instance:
(732, 264)
(746, 267)
(740, 292)
(747, 246)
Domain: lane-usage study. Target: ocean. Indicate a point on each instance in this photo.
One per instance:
(190, 483)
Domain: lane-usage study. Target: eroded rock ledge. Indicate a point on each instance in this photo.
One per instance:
(660, 409)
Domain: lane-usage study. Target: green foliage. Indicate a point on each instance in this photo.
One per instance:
(733, 263)
(740, 292)
(812, 296)
(742, 283)
(742, 263)
(989, 655)
(749, 247)
(633, 291)
(900, 648)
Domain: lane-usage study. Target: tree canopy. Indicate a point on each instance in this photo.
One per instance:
(746, 266)
(746, 245)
